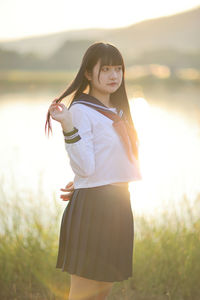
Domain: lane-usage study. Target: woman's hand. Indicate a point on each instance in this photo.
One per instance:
(68, 188)
(60, 113)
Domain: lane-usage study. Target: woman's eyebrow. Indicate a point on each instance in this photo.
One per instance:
(112, 66)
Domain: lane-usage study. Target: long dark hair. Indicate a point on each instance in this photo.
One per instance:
(108, 55)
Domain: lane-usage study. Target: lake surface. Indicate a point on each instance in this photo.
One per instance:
(168, 125)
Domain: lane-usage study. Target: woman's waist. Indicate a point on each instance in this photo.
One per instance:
(87, 182)
(120, 183)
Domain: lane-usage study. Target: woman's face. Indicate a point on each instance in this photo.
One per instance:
(108, 75)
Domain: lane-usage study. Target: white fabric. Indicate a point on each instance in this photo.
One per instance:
(99, 157)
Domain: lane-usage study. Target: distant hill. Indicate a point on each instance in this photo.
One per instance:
(44, 46)
(180, 31)
(172, 40)
(69, 56)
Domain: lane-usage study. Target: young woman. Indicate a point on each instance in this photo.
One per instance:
(97, 228)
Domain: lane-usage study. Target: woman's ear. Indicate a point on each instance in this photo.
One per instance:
(87, 75)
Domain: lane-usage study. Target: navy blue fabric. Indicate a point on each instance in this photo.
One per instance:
(97, 234)
(93, 102)
(88, 99)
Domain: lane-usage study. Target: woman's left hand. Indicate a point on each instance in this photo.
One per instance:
(68, 188)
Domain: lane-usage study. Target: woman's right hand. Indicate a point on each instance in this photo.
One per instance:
(60, 113)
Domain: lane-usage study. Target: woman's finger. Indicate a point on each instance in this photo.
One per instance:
(69, 185)
(53, 104)
(67, 189)
(61, 104)
(65, 197)
(57, 104)
(54, 101)
(70, 182)
(55, 107)
(68, 196)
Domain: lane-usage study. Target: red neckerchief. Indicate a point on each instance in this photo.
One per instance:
(123, 129)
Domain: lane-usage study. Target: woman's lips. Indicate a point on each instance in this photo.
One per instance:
(112, 84)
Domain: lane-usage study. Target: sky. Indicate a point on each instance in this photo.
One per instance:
(25, 18)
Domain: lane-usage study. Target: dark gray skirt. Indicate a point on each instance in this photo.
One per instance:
(97, 234)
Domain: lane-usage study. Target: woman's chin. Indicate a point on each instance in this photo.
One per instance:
(112, 89)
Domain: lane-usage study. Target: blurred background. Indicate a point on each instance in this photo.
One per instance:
(41, 49)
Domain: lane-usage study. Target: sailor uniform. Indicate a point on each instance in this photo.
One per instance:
(96, 152)
(97, 228)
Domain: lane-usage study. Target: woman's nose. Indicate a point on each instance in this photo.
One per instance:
(113, 74)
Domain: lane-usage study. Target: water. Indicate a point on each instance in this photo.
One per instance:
(169, 135)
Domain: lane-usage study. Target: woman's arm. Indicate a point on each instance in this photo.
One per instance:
(79, 142)
(67, 127)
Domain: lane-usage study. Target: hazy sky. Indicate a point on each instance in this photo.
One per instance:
(23, 18)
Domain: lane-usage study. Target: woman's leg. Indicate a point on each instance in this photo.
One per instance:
(104, 289)
(82, 288)
(86, 289)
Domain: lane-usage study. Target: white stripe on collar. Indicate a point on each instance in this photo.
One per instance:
(98, 106)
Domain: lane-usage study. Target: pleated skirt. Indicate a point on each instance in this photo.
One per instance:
(97, 234)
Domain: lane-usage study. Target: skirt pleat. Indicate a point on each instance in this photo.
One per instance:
(97, 234)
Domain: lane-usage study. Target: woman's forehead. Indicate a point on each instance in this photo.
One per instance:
(99, 63)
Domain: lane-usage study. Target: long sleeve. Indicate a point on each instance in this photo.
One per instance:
(79, 143)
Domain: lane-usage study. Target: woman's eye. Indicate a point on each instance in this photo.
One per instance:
(107, 68)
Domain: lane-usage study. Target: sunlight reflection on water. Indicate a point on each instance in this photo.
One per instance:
(169, 157)
(169, 153)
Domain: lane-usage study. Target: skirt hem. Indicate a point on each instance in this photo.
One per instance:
(92, 277)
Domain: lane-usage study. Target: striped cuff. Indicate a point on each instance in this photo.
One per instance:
(71, 136)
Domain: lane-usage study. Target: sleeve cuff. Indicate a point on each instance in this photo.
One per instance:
(71, 136)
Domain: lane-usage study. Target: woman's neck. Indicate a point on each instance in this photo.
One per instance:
(104, 98)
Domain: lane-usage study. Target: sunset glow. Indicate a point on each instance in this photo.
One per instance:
(22, 18)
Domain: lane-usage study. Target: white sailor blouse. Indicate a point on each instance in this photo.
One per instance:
(96, 153)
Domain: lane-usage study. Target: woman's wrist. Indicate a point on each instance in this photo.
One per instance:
(67, 127)
(71, 134)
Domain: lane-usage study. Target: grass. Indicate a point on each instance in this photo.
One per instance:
(165, 262)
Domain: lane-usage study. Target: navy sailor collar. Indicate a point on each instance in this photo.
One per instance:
(94, 103)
